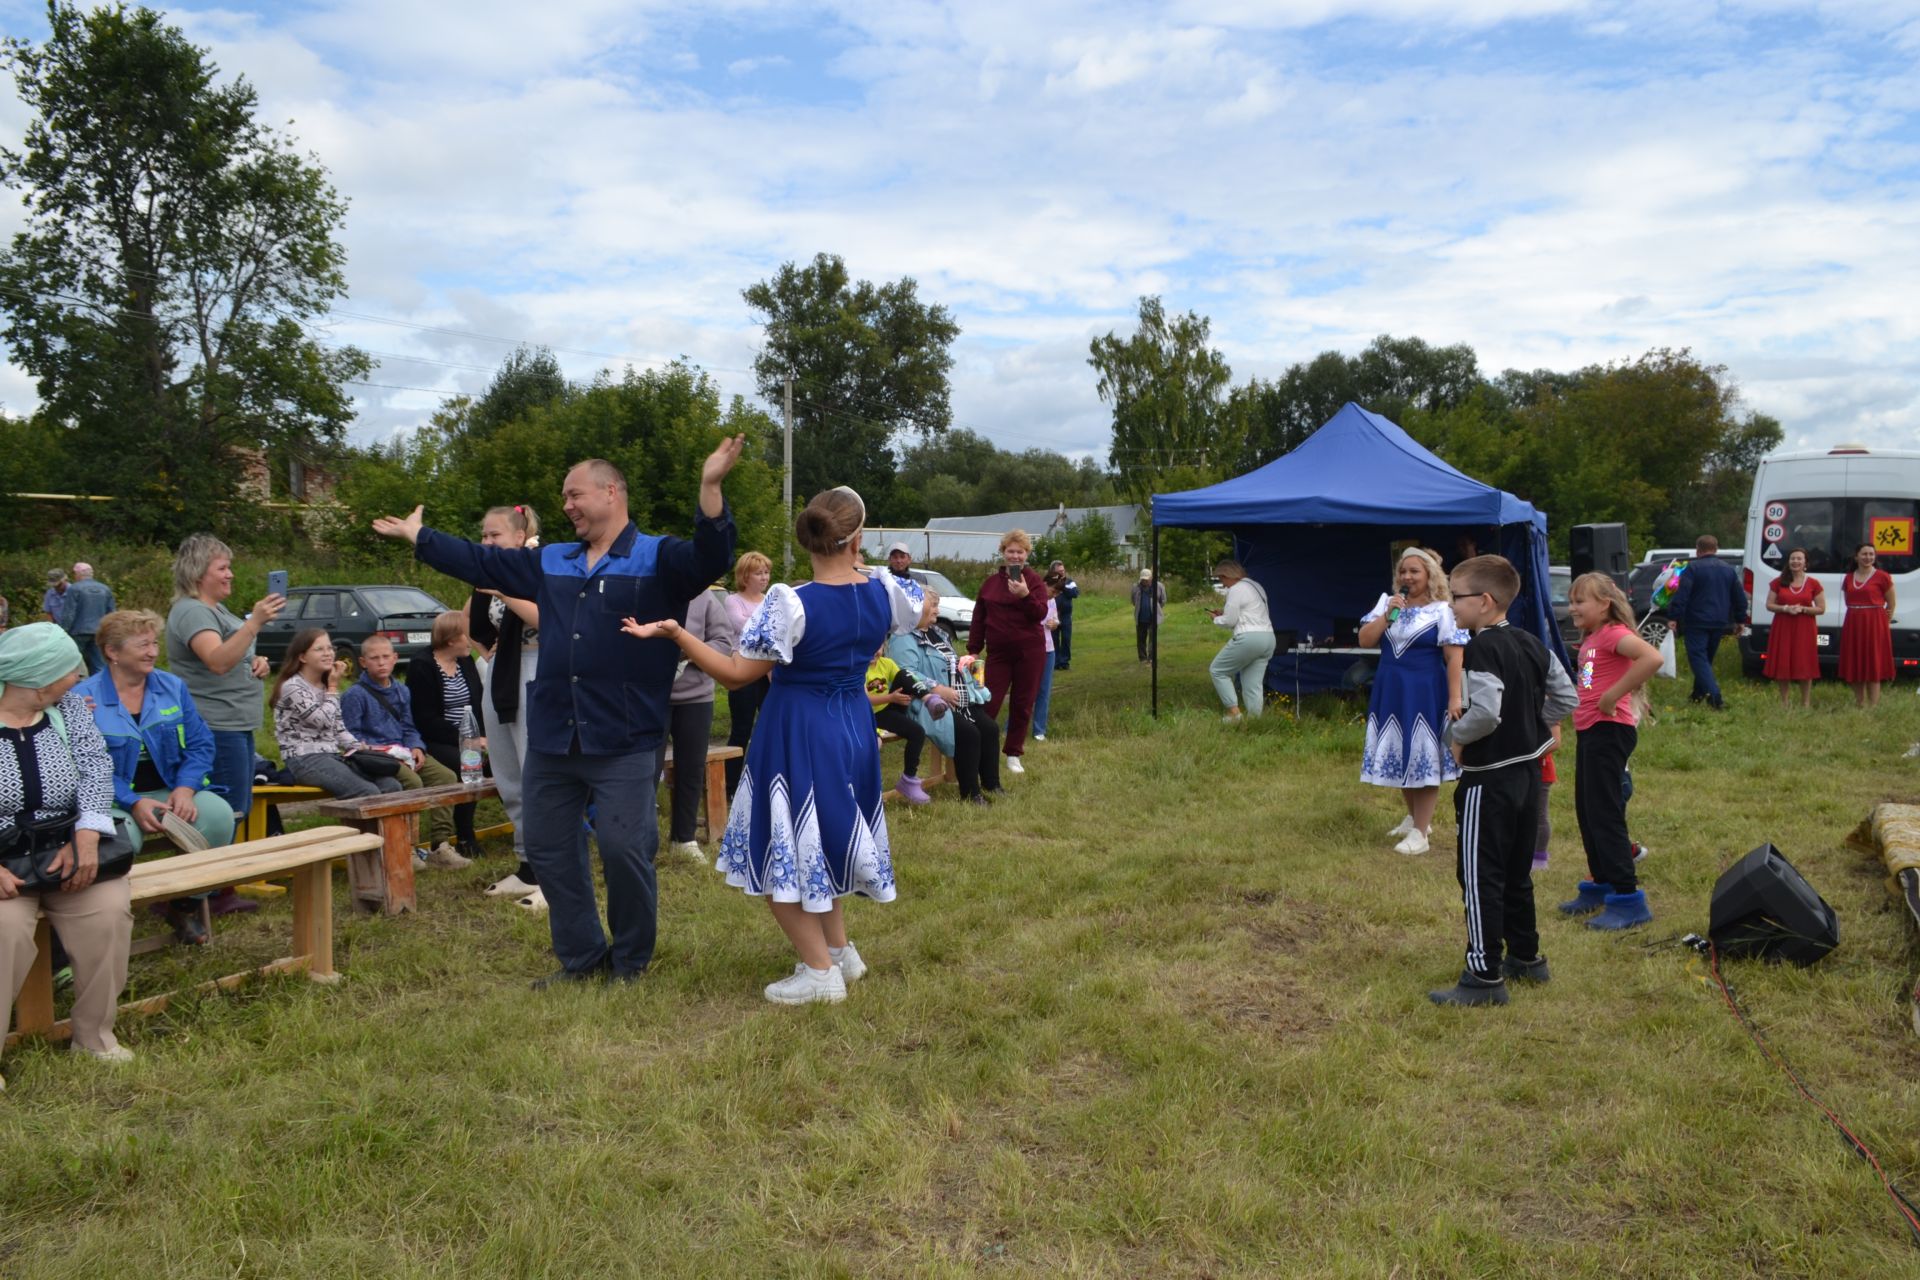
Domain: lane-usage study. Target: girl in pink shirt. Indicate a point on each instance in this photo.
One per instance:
(1610, 668)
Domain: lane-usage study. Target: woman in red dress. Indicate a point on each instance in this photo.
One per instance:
(1866, 637)
(1793, 653)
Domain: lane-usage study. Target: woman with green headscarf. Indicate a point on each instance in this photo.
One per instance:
(56, 792)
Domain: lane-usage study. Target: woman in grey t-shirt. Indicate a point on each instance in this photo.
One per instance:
(212, 650)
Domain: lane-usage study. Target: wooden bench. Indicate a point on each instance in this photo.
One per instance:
(307, 857)
(386, 881)
(713, 813)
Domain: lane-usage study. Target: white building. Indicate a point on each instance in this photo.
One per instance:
(978, 537)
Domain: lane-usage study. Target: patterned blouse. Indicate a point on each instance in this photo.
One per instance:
(47, 775)
(306, 721)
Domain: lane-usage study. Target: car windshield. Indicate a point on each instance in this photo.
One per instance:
(939, 582)
(387, 601)
(1562, 582)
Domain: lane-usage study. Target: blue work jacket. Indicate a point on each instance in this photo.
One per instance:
(177, 740)
(1710, 595)
(368, 720)
(596, 690)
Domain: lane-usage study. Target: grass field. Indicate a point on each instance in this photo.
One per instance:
(1160, 1012)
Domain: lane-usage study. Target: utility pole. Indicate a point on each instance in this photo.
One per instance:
(786, 477)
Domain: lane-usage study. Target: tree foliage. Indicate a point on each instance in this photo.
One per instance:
(962, 473)
(175, 249)
(1173, 427)
(1393, 377)
(869, 364)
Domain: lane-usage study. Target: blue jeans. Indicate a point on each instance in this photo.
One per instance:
(555, 791)
(90, 654)
(232, 773)
(1044, 698)
(1703, 642)
(1063, 641)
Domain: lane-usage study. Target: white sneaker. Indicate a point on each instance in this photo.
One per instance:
(118, 1054)
(809, 986)
(1401, 828)
(1039, 737)
(1014, 765)
(848, 958)
(447, 858)
(691, 848)
(1232, 717)
(509, 886)
(535, 902)
(1414, 844)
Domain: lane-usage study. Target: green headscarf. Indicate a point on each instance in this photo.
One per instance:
(36, 655)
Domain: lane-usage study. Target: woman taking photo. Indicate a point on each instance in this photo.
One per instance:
(212, 650)
(56, 796)
(1415, 692)
(445, 685)
(966, 734)
(1793, 647)
(752, 574)
(1866, 636)
(314, 741)
(1008, 613)
(507, 630)
(162, 750)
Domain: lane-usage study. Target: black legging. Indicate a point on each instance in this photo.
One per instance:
(448, 754)
(976, 749)
(896, 719)
(743, 708)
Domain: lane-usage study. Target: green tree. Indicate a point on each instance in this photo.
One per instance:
(1172, 427)
(1394, 377)
(175, 250)
(528, 379)
(869, 364)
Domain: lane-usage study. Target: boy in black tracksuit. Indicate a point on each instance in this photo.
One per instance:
(1515, 692)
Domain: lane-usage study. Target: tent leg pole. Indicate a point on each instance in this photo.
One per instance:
(1153, 637)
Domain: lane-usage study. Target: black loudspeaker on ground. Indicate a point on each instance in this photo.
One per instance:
(1763, 907)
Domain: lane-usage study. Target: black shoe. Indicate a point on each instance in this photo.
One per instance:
(626, 977)
(1472, 990)
(469, 848)
(991, 792)
(1696, 697)
(1534, 970)
(1717, 704)
(981, 798)
(564, 977)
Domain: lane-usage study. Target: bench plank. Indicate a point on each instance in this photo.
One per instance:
(386, 883)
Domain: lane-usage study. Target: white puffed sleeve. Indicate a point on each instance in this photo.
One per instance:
(1379, 610)
(904, 598)
(1451, 632)
(775, 627)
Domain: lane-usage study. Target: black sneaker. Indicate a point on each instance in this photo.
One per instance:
(564, 977)
(1472, 990)
(1534, 970)
(980, 798)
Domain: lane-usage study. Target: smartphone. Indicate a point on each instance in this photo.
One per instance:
(277, 582)
(1012, 573)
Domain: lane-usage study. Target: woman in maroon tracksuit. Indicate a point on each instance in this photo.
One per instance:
(1007, 614)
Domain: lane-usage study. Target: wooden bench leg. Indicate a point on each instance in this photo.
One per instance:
(313, 920)
(716, 798)
(33, 1009)
(396, 857)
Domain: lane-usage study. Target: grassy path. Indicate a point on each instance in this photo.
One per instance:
(1160, 1012)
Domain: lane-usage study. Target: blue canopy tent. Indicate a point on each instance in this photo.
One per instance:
(1317, 528)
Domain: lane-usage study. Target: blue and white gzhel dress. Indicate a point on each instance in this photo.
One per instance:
(807, 825)
(1408, 710)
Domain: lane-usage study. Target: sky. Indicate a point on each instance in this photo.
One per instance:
(1555, 183)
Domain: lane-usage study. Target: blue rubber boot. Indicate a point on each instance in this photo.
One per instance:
(1623, 911)
(1592, 897)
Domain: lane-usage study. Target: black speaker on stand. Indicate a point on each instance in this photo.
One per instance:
(1599, 548)
(1763, 907)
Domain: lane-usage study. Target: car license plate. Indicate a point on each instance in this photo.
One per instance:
(422, 637)
(1820, 639)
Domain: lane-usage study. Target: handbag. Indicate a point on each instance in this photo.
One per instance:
(373, 765)
(29, 852)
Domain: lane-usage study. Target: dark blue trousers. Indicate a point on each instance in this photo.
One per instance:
(1703, 642)
(554, 795)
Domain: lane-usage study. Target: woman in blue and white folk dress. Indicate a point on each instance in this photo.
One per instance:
(1415, 692)
(807, 826)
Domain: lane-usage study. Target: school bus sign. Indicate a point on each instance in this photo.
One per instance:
(1892, 536)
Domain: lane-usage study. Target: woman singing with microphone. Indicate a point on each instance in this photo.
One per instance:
(1415, 692)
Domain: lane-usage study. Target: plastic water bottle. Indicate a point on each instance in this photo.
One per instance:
(471, 772)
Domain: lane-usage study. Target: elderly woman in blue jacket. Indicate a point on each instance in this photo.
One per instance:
(162, 750)
(964, 732)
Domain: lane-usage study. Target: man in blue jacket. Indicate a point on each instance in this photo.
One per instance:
(597, 709)
(1710, 603)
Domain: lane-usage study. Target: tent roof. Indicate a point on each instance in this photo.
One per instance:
(1359, 468)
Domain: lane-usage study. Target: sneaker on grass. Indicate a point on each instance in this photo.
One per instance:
(447, 858)
(691, 848)
(852, 967)
(1414, 844)
(809, 986)
(1014, 765)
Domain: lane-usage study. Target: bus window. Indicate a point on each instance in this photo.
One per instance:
(1812, 525)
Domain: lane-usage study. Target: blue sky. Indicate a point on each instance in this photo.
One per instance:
(1554, 182)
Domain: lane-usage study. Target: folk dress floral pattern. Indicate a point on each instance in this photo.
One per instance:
(1408, 709)
(807, 824)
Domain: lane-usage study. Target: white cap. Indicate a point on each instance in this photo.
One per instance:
(900, 546)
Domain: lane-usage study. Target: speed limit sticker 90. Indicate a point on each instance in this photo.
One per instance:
(1776, 511)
